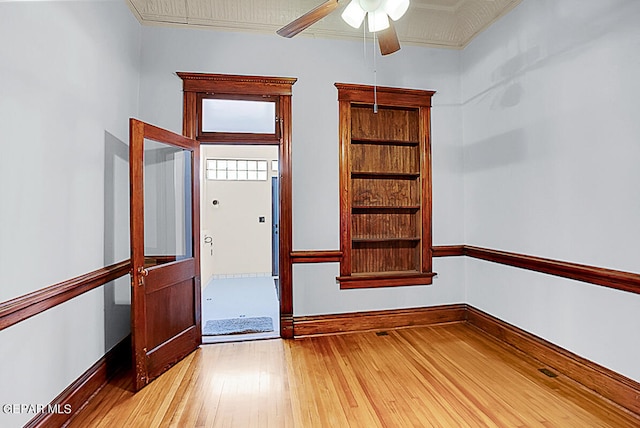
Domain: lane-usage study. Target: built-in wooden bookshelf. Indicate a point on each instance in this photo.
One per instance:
(386, 186)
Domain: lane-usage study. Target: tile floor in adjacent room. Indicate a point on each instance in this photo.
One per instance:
(225, 298)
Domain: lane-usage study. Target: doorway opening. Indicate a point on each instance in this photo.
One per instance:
(270, 99)
(239, 226)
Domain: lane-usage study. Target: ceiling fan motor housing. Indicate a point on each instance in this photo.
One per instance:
(377, 12)
(370, 5)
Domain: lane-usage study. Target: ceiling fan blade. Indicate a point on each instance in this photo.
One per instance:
(308, 19)
(388, 40)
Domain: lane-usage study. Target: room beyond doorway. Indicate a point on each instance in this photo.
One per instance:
(239, 276)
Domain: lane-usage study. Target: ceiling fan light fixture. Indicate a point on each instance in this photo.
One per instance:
(353, 14)
(378, 20)
(377, 12)
(396, 8)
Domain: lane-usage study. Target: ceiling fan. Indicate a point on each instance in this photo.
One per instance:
(377, 12)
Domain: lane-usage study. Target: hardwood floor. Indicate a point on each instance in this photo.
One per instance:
(442, 376)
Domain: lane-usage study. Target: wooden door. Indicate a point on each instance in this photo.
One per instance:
(165, 255)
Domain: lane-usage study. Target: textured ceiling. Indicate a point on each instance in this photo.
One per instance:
(439, 23)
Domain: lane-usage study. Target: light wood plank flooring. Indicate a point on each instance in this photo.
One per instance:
(441, 376)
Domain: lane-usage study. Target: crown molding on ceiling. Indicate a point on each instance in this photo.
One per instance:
(436, 23)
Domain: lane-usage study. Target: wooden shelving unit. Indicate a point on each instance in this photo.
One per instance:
(386, 187)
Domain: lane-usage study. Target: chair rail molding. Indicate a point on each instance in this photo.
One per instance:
(19, 309)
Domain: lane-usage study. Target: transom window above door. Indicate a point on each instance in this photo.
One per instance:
(253, 117)
(243, 118)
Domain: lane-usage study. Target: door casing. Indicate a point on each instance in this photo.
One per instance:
(197, 85)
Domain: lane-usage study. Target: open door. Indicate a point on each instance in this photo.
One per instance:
(165, 254)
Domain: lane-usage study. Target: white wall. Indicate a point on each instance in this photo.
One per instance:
(318, 64)
(241, 244)
(68, 83)
(551, 160)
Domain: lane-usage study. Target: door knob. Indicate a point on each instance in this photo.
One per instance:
(143, 272)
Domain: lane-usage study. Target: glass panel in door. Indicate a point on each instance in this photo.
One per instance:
(167, 201)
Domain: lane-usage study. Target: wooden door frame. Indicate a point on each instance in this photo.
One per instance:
(197, 84)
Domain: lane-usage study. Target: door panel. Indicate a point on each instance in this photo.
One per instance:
(165, 324)
(164, 319)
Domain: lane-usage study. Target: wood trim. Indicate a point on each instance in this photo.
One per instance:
(386, 279)
(71, 401)
(323, 256)
(19, 309)
(285, 272)
(611, 385)
(190, 115)
(345, 186)
(236, 84)
(377, 320)
(447, 250)
(426, 185)
(386, 96)
(240, 87)
(239, 139)
(328, 256)
(136, 238)
(286, 326)
(626, 281)
(619, 280)
(155, 133)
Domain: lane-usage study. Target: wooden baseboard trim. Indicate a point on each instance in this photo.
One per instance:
(286, 326)
(73, 399)
(376, 320)
(19, 309)
(609, 384)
